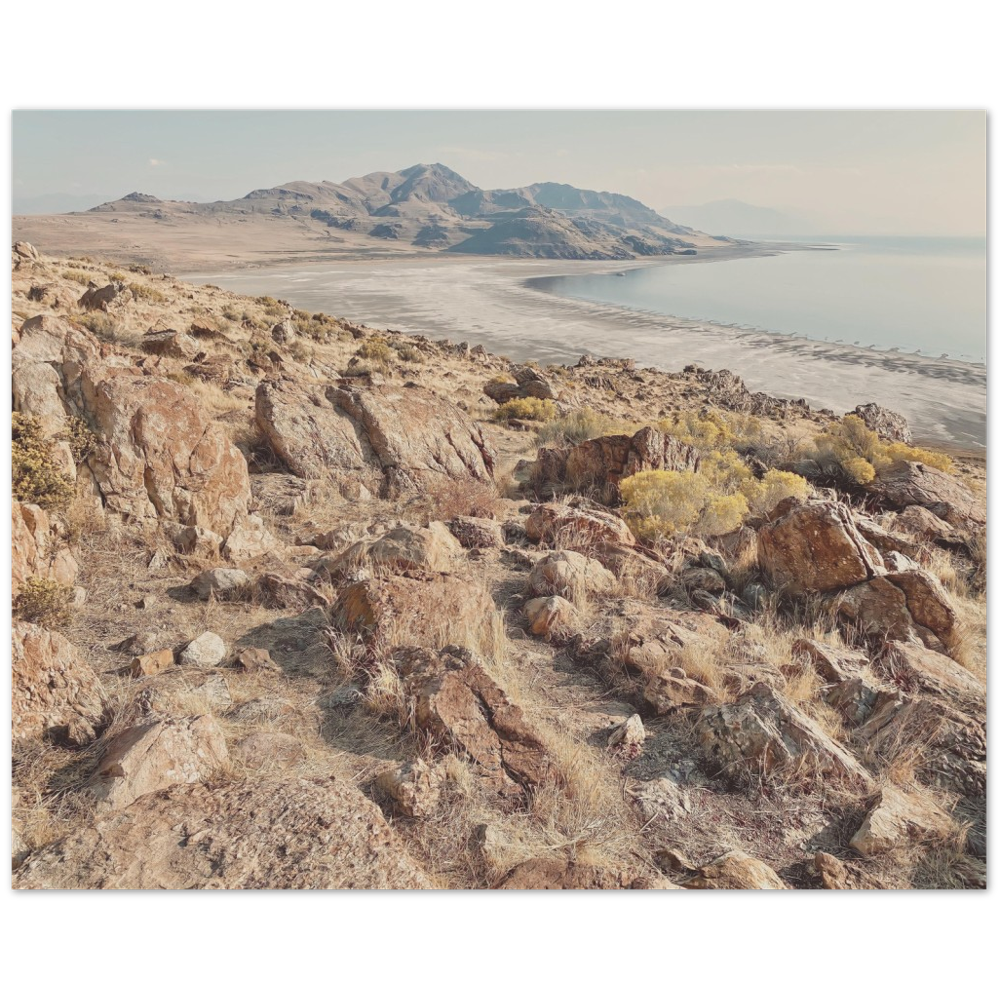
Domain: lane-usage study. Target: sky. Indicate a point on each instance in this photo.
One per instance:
(858, 172)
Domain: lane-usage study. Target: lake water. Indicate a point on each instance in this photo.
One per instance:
(912, 294)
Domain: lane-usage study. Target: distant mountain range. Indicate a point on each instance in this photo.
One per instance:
(433, 208)
(737, 218)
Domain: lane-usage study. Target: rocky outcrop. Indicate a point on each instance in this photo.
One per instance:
(917, 668)
(815, 547)
(906, 484)
(898, 818)
(415, 788)
(433, 549)
(402, 437)
(477, 532)
(850, 688)
(601, 463)
(735, 870)
(528, 383)
(156, 755)
(886, 423)
(256, 834)
(159, 455)
(55, 693)
(904, 606)
(577, 527)
(454, 700)
(764, 732)
(570, 575)
(400, 611)
(38, 549)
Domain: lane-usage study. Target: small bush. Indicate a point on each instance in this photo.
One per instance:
(35, 478)
(45, 603)
(100, 324)
(525, 409)
(80, 277)
(412, 354)
(376, 349)
(81, 438)
(861, 454)
(147, 293)
(140, 269)
(765, 494)
(579, 426)
(118, 276)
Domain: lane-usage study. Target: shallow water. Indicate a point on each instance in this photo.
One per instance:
(912, 294)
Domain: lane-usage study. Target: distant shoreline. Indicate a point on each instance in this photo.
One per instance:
(495, 302)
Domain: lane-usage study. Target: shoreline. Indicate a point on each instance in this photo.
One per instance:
(496, 302)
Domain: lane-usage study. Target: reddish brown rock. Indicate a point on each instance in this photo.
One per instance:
(397, 610)
(55, 692)
(898, 818)
(764, 731)
(150, 664)
(906, 484)
(815, 547)
(455, 701)
(575, 527)
(735, 870)
(38, 550)
(920, 668)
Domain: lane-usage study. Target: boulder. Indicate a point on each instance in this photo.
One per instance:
(906, 484)
(55, 692)
(249, 540)
(38, 549)
(921, 524)
(150, 664)
(156, 755)
(559, 873)
(276, 591)
(26, 251)
(433, 549)
(575, 527)
(477, 532)
(527, 383)
(601, 463)
(159, 454)
(169, 344)
(569, 574)
(262, 833)
(952, 745)
(403, 437)
(815, 547)
(735, 870)
(832, 871)
(915, 667)
(455, 701)
(222, 584)
(898, 818)
(395, 611)
(415, 788)
(763, 731)
(116, 293)
(901, 606)
(208, 650)
(627, 738)
(550, 616)
(270, 751)
(849, 686)
(886, 423)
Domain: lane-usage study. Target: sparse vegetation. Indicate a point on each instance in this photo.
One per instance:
(525, 409)
(36, 478)
(44, 602)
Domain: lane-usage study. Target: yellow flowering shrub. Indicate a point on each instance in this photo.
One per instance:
(525, 409)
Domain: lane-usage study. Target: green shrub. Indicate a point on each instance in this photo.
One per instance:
(45, 603)
(525, 409)
(35, 477)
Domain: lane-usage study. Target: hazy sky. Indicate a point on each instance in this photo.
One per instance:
(902, 172)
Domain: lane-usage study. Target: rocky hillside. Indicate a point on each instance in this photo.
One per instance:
(299, 603)
(433, 208)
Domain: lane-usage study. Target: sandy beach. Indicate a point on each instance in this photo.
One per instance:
(495, 303)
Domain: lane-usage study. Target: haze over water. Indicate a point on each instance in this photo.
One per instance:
(909, 293)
